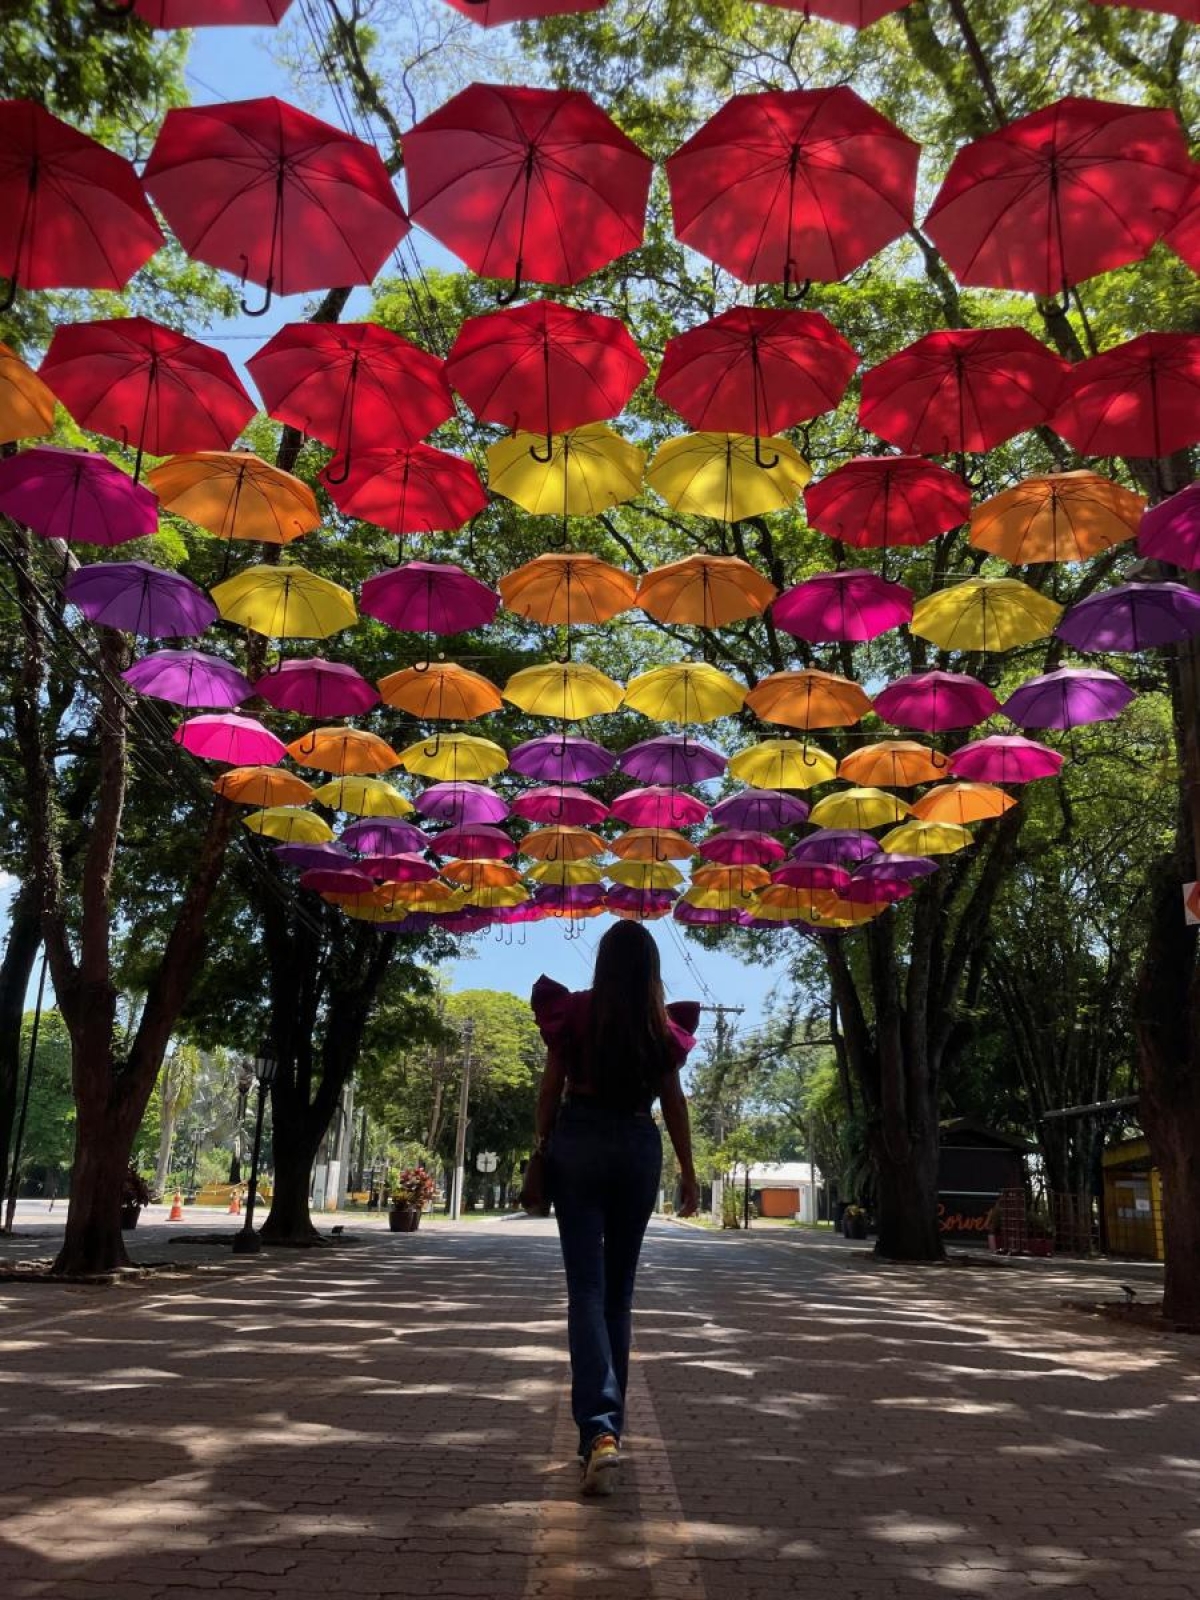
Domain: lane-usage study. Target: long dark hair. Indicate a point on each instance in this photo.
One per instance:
(630, 1033)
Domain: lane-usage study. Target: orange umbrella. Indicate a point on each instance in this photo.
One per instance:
(263, 786)
(819, 906)
(342, 751)
(236, 496)
(652, 844)
(1065, 516)
(26, 404)
(568, 587)
(893, 764)
(562, 844)
(481, 874)
(808, 699)
(708, 591)
(740, 879)
(963, 803)
(442, 690)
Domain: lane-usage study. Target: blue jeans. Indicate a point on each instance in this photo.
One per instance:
(604, 1168)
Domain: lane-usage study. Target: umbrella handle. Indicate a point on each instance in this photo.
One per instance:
(334, 478)
(759, 459)
(793, 290)
(262, 310)
(505, 297)
(546, 459)
(432, 751)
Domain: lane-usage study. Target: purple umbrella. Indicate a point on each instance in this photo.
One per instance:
(141, 599)
(934, 701)
(760, 809)
(628, 898)
(561, 759)
(573, 808)
(673, 759)
(705, 916)
(813, 875)
(1133, 616)
(428, 597)
(384, 836)
(835, 844)
(887, 867)
(870, 891)
(574, 895)
(474, 841)
(1005, 758)
(75, 495)
(398, 868)
(226, 736)
(465, 921)
(336, 880)
(317, 688)
(189, 678)
(414, 922)
(461, 803)
(659, 808)
(1170, 531)
(1068, 698)
(310, 857)
(741, 847)
(833, 606)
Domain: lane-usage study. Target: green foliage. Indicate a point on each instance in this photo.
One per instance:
(49, 1140)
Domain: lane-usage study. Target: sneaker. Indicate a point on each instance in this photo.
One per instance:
(599, 1475)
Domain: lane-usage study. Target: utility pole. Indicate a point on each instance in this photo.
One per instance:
(720, 1012)
(460, 1136)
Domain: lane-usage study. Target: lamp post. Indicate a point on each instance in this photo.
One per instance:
(246, 1241)
(460, 1136)
(245, 1082)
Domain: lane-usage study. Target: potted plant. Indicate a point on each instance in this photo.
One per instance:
(411, 1193)
(854, 1223)
(135, 1193)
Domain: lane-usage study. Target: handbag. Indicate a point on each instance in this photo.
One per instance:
(535, 1190)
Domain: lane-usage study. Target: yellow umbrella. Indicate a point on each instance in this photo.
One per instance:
(343, 751)
(893, 764)
(562, 844)
(926, 839)
(26, 404)
(568, 587)
(782, 764)
(363, 797)
(858, 808)
(290, 823)
(568, 690)
(742, 879)
(822, 907)
(481, 874)
(590, 469)
(963, 803)
(263, 786)
(236, 496)
(645, 874)
(399, 898)
(1065, 516)
(808, 699)
(652, 844)
(714, 899)
(717, 475)
(440, 691)
(455, 757)
(565, 874)
(708, 591)
(985, 614)
(285, 603)
(489, 897)
(689, 692)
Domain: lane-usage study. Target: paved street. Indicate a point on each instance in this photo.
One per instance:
(388, 1418)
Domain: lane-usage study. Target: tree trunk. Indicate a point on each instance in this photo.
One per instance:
(908, 1199)
(94, 1244)
(294, 1149)
(20, 954)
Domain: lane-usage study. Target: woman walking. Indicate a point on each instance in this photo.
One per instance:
(612, 1050)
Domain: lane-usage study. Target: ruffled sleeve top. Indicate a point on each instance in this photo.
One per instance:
(563, 1016)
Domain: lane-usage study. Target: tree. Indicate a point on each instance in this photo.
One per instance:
(50, 1115)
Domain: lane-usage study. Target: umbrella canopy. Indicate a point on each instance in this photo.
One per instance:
(363, 797)
(707, 591)
(384, 837)
(813, 875)
(645, 874)
(1077, 188)
(1170, 531)
(141, 599)
(652, 844)
(568, 690)
(544, 367)
(343, 751)
(336, 881)
(568, 587)
(455, 757)
(849, 13)
(962, 389)
(782, 764)
(191, 679)
(285, 603)
(75, 495)
(317, 688)
(985, 614)
(475, 841)
(657, 806)
(808, 699)
(1065, 516)
(227, 736)
(1184, 234)
(962, 803)
(74, 213)
(210, 13)
(398, 867)
(935, 702)
(1005, 758)
(672, 759)
(891, 866)
(440, 690)
(409, 488)
(562, 844)
(496, 13)
(881, 501)
(234, 495)
(755, 369)
(728, 475)
(859, 809)
(1068, 698)
(289, 823)
(740, 847)
(274, 195)
(927, 838)
(642, 905)
(262, 786)
(760, 810)
(894, 763)
(850, 605)
(460, 803)
(561, 803)
(429, 597)
(1133, 616)
(561, 758)
(687, 693)
(839, 845)
(481, 873)
(26, 404)
(789, 185)
(590, 469)
(1141, 398)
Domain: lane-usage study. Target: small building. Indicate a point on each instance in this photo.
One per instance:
(975, 1164)
(1132, 1202)
(785, 1189)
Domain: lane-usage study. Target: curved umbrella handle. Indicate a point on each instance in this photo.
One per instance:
(432, 750)
(262, 310)
(330, 477)
(544, 461)
(793, 290)
(507, 296)
(759, 459)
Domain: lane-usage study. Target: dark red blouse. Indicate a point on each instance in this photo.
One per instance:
(563, 1015)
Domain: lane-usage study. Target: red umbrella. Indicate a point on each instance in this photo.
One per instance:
(755, 370)
(1184, 237)
(1141, 398)
(850, 13)
(878, 501)
(495, 13)
(210, 13)
(793, 184)
(133, 380)
(411, 489)
(527, 183)
(545, 368)
(1077, 188)
(280, 198)
(72, 213)
(962, 389)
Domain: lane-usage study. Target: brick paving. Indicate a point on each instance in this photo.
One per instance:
(388, 1418)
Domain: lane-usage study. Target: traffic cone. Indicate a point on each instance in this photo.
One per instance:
(176, 1208)
(235, 1204)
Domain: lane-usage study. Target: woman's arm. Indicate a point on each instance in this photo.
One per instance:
(550, 1090)
(675, 1115)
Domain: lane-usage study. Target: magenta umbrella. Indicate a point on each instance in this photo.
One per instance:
(558, 803)
(189, 678)
(428, 597)
(317, 688)
(312, 856)
(1068, 698)
(760, 810)
(870, 891)
(1170, 531)
(474, 841)
(336, 880)
(573, 896)
(741, 847)
(853, 605)
(141, 599)
(652, 902)
(461, 803)
(226, 736)
(813, 875)
(672, 759)
(565, 758)
(402, 867)
(1005, 758)
(709, 916)
(935, 701)
(658, 807)
(835, 844)
(1133, 616)
(384, 836)
(885, 867)
(76, 495)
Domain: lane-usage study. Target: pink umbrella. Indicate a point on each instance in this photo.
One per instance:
(461, 803)
(573, 895)
(741, 847)
(870, 891)
(189, 678)
(317, 688)
(336, 880)
(882, 501)
(936, 701)
(813, 875)
(561, 804)
(1170, 531)
(399, 868)
(428, 597)
(384, 835)
(76, 495)
(241, 741)
(659, 808)
(474, 841)
(1005, 758)
(854, 605)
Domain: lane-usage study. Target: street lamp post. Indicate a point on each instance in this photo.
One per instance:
(246, 1241)
(460, 1137)
(245, 1082)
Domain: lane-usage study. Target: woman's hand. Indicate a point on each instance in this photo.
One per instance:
(689, 1197)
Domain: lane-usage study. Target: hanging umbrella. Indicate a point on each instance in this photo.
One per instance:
(882, 501)
(901, 763)
(839, 845)
(440, 690)
(641, 905)
(645, 874)
(562, 844)
(141, 599)
(853, 604)
(936, 701)
(210, 13)
(290, 824)
(1068, 698)
(338, 881)
(384, 836)
(1141, 398)
(26, 404)
(671, 759)
(227, 736)
(876, 891)
(1133, 616)
(561, 759)
(1075, 189)
(343, 751)
(75, 495)
(985, 614)
(728, 475)
(652, 844)
(568, 587)
(755, 369)
(808, 699)
(789, 185)
(544, 368)
(962, 389)
(590, 469)
(739, 847)
(687, 693)
(860, 809)
(576, 900)
(732, 883)
(189, 678)
(760, 809)
(962, 803)
(317, 688)
(262, 786)
(1005, 758)
(285, 603)
(480, 873)
(561, 803)
(363, 797)
(658, 807)
(234, 495)
(1170, 531)
(692, 915)
(849, 13)
(410, 488)
(274, 195)
(496, 13)
(927, 839)
(74, 214)
(813, 875)
(567, 690)
(1064, 516)
(454, 757)
(399, 867)
(429, 597)
(781, 764)
(1184, 234)
(890, 865)
(475, 840)
(707, 591)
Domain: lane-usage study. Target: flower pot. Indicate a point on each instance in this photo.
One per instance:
(404, 1219)
(130, 1215)
(854, 1227)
